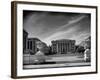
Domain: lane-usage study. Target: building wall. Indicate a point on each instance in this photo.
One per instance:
(31, 45)
(63, 46)
(25, 35)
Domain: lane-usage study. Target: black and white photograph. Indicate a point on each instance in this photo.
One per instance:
(53, 39)
(56, 39)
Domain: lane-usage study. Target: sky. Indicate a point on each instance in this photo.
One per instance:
(48, 26)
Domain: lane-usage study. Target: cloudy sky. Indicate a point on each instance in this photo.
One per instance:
(48, 26)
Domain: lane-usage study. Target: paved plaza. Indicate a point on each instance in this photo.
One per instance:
(68, 60)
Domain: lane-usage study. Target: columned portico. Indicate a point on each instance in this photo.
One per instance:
(63, 46)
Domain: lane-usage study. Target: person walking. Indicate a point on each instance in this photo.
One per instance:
(87, 55)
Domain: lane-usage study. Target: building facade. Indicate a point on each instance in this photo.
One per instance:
(63, 46)
(31, 45)
(25, 37)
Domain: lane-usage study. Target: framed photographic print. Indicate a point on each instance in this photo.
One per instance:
(53, 39)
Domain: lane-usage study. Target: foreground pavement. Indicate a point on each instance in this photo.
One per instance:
(56, 65)
(61, 61)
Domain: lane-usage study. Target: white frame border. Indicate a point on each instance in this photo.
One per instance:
(35, 72)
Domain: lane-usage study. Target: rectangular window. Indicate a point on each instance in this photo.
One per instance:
(31, 45)
(28, 45)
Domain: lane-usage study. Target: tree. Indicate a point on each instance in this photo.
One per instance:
(80, 49)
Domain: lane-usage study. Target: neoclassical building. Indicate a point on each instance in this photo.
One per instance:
(31, 45)
(63, 46)
(34, 44)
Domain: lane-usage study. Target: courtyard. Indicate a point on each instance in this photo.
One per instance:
(57, 60)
